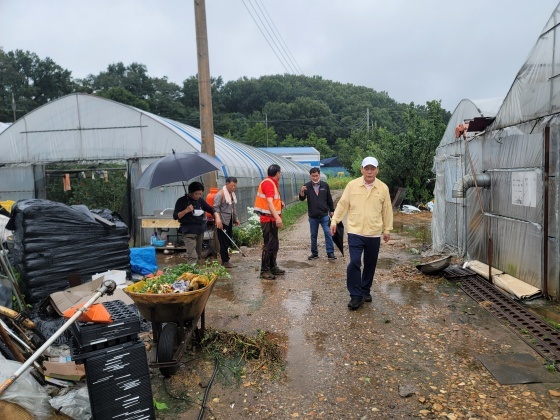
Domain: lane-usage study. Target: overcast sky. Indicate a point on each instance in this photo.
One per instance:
(415, 50)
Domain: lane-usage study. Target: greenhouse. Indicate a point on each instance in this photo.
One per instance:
(497, 193)
(81, 129)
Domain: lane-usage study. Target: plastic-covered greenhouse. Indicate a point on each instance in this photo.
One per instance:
(81, 128)
(497, 188)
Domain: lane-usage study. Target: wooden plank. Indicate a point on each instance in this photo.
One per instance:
(160, 223)
(102, 220)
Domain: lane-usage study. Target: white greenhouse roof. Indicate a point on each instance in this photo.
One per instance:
(82, 127)
(535, 91)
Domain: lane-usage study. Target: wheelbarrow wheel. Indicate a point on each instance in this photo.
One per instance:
(168, 342)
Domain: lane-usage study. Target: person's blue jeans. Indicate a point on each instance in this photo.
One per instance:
(314, 223)
(359, 282)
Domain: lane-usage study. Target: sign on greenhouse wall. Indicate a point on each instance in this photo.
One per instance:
(524, 188)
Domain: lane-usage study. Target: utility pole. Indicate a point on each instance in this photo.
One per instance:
(204, 88)
(367, 120)
(266, 125)
(14, 106)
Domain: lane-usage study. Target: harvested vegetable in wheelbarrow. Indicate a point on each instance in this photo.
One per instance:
(182, 278)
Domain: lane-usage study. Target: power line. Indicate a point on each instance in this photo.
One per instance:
(281, 40)
(285, 61)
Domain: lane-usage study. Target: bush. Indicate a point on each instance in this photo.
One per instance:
(339, 183)
(250, 233)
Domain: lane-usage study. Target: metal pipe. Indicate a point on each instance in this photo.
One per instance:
(462, 185)
(108, 287)
(231, 240)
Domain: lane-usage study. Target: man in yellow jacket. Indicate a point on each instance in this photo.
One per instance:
(367, 202)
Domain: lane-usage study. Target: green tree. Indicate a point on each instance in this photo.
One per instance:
(31, 80)
(319, 143)
(256, 136)
(120, 94)
(406, 158)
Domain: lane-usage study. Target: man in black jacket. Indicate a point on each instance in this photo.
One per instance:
(319, 209)
(190, 211)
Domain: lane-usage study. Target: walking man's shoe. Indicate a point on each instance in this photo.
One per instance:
(277, 271)
(312, 257)
(368, 298)
(331, 256)
(355, 303)
(267, 275)
(228, 264)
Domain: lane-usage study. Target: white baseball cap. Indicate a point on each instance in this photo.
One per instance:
(370, 161)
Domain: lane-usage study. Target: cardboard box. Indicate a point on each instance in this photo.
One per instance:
(119, 276)
(82, 293)
(65, 370)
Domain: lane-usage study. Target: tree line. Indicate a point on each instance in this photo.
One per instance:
(337, 119)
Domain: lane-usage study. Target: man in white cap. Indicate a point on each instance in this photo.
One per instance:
(370, 216)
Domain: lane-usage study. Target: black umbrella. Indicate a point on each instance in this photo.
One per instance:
(177, 167)
(338, 237)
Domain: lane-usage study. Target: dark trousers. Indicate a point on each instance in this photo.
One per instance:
(224, 241)
(359, 282)
(271, 244)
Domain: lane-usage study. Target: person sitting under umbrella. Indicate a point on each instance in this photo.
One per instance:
(190, 210)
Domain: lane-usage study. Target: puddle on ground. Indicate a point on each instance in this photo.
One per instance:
(298, 303)
(295, 264)
(238, 292)
(421, 232)
(410, 293)
(303, 360)
(548, 314)
(386, 263)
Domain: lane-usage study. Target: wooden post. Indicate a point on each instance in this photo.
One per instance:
(204, 89)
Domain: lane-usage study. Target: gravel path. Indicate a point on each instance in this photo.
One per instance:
(410, 353)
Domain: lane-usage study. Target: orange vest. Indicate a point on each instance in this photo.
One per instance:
(261, 205)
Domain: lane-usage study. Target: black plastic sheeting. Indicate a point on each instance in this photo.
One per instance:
(53, 240)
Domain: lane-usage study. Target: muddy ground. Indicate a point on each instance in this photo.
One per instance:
(412, 352)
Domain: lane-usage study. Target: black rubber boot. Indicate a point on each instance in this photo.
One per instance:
(277, 271)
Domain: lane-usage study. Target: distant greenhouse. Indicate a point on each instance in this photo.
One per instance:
(81, 129)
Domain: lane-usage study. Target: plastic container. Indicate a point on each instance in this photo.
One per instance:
(210, 200)
(158, 242)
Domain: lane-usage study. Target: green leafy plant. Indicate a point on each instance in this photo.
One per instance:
(551, 367)
(250, 233)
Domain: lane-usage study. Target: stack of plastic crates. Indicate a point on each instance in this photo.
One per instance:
(117, 374)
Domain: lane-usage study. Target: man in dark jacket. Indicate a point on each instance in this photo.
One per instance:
(190, 211)
(319, 209)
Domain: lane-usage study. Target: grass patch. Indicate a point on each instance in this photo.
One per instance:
(292, 213)
(339, 183)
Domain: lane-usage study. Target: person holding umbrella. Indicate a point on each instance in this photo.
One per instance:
(190, 210)
(224, 205)
(370, 216)
(319, 208)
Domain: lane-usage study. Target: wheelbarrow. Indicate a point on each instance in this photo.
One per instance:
(174, 318)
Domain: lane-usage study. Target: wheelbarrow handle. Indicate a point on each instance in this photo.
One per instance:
(108, 288)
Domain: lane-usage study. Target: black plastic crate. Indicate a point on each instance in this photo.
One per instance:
(80, 353)
(126, 322)
(132, 360)
(118, 381)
